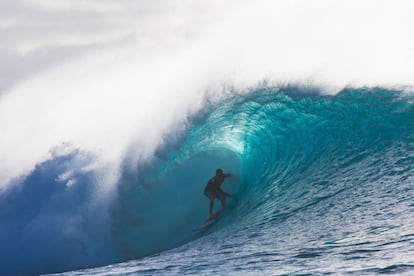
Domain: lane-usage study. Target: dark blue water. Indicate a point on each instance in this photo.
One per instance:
(324, 184)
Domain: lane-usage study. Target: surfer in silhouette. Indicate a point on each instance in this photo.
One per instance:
(213, 191)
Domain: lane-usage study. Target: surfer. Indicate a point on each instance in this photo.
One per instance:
(213, 191)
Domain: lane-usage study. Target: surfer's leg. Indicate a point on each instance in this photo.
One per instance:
(223, 202)
(211, 207)
(208, 193)
(223, 193)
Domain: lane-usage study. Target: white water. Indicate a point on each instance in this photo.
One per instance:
(128, 71)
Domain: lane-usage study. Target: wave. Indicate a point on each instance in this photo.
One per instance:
(292, 150)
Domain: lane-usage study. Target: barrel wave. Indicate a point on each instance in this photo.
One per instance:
(322, 184)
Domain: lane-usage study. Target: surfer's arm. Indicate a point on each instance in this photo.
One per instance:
(227, 175)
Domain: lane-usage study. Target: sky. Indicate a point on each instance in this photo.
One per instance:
(39, 34)
(104, 75)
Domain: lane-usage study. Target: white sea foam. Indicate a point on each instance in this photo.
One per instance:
(140, 69)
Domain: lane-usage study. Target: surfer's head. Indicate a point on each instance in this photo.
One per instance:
(219, 172)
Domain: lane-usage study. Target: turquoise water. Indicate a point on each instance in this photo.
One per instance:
(323, 184)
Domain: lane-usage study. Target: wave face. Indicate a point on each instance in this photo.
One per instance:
(323, 185)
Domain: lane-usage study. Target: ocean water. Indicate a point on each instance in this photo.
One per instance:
(323, 184)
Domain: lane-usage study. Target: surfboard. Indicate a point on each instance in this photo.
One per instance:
(207, 223)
